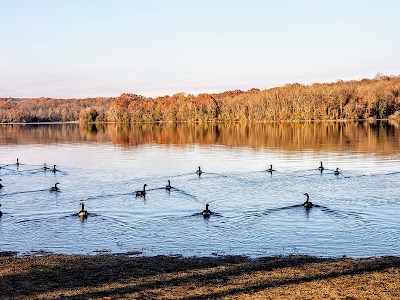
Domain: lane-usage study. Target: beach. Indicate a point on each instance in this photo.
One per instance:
(131, 276)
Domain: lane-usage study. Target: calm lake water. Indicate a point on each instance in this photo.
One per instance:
(255, 213)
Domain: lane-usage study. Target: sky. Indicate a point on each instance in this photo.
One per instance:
(99, 48)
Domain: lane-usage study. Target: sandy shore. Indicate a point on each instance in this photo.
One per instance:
(163, 277)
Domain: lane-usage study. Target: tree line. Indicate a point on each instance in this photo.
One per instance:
(342, 100)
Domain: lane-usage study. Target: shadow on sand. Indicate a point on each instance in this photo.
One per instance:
(161, 277)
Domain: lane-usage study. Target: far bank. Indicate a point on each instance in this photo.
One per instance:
(376, 98)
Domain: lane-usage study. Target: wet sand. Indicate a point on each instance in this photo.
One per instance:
(54, 276)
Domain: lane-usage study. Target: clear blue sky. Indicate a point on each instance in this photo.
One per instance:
(83, 48)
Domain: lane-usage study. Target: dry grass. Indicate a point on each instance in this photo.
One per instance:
(162, 277)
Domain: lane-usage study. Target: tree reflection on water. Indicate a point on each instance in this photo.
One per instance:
(381, 137)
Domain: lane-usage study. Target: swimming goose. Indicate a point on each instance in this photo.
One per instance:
(321, 168)
(307, 204)
(199, 171)
(17, 162)
(54, 188)
(45, 167)
(336, 172)
(54, 169)
(0, 212)
(141, 193)
(1, 184)
(168, 186)
(83, 213)
(206, 212)
(270, 170)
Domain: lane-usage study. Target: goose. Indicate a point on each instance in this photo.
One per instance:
(54, 188)
(307, 204)
(168, 186)
(17, 162)
(336, 172)
(321, 168)
(0, 212)
(141, 193)
(1, 184)
(199, 171)
(54, 169)
(270, 170)
(45, 167)
(83, 213)
(206, 212)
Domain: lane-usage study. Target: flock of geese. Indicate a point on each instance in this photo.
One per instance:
(142, 193)
(207, 212)
(82, 213)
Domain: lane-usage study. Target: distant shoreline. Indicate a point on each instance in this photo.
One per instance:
(200, 122)
(170, 277)
(376, 98)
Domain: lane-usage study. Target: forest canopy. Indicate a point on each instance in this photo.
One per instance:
(342, 100)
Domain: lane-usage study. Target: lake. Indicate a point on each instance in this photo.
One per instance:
(255, 213)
